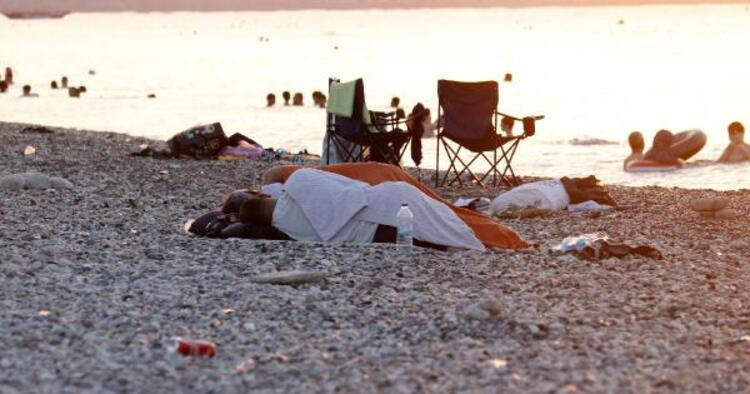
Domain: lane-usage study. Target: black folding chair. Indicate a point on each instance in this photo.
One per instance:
(468, 118)
(365, 135)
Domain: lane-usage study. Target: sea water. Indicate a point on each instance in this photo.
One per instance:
(595, 72)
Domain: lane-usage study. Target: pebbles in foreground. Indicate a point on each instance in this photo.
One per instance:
(98, 278)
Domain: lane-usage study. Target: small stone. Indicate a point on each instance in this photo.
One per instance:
(13, 182)
(492, 306)
(727, 213)
(291, 278)
(35, 180)
(708, 204)
(475, 312)
(60, 183)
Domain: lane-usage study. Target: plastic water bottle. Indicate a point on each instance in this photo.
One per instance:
(405, 226)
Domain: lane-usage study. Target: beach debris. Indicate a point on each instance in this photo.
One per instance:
(475, 312)
(74, 92)
(33, 180)
(187, 348)
(589, 206)
(492, 306)
(508, 77)
(479, 204)
(29, 150)
(151, 96)
(579, 242)
(290, 278)
(37, 130)
(92, 72)
(523, 213)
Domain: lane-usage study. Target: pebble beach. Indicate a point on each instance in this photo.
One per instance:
(97, 278)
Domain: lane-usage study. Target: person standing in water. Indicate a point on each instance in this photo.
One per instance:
(738, 150)
(9, 75)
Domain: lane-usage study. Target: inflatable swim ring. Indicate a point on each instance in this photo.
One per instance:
(650, 166)
(687, 143)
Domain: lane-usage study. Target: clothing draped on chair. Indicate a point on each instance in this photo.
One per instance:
(356, 134)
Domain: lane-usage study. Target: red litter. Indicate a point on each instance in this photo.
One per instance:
(193, 348)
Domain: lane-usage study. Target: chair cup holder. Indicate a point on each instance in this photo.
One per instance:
(529, 126)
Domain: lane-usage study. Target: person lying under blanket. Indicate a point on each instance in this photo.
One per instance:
(489, 231)
(325, 207)
(552, 195)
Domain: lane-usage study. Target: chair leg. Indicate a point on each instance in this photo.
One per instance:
(437, 162)
(466, 167)
(452, 156)
(508, 155)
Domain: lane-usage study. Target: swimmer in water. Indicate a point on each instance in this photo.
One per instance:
(635, 139)
(738, 150)
(27, 92)
(660, 150)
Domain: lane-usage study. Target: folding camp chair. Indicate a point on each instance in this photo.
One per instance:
(357, 134)
(468, 117)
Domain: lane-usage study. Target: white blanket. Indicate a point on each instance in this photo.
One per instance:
(330, 201)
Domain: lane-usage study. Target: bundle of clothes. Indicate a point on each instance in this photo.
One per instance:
(209, 142)
(573, 194)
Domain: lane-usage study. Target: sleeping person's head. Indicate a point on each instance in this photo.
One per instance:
(233, 201)
(257, 209)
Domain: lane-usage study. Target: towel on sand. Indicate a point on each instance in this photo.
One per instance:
(491, 233)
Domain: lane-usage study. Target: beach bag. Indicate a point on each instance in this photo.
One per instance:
(201, 142)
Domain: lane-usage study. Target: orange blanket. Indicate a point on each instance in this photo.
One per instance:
(491, 233)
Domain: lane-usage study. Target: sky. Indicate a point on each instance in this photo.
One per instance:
(218, 5)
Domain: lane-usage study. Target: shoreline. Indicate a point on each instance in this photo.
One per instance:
(96, 279)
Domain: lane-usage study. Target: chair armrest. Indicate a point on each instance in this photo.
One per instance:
(535, 117)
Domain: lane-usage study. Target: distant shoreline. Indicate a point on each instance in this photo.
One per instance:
(292, 5)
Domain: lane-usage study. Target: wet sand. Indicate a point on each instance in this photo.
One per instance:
(95, 280)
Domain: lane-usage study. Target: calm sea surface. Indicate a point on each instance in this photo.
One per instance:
(594, 72)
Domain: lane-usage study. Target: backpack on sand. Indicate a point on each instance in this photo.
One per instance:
(200, 142)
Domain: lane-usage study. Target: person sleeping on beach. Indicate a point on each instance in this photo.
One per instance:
(492, 233)
(737, 151)
(226, 223)
(574, 194)
(321, 206)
